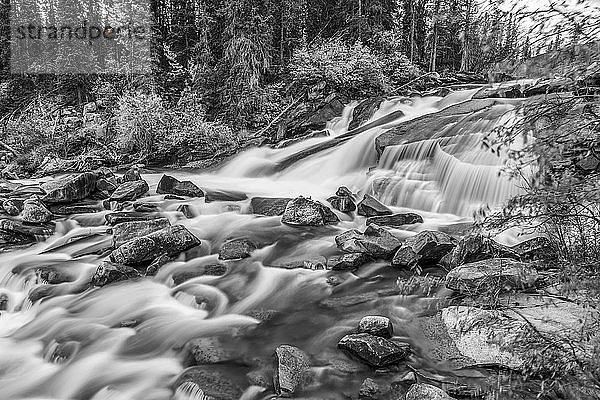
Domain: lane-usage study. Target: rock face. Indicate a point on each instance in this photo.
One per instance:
(375, 241)
(109, 272)
(350, 261)
(426, 248)
(306, 212)
(70, 188)
(376, 326)
(170, 185)
(371, 207)
(170, 241)
(472, 248)
(502, 274)
(396, 220)
(237, 249)
(130, 190)
(126, 231)
(292, 370)
(423, 391)
(35, 212)
(373, 350)
(268, 206)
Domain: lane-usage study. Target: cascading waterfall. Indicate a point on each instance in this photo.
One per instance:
(128, 341)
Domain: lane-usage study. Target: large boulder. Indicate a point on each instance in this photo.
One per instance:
(292, 370)
(306, 212)
(126, 231)
(376, 325)
(423, 391)
(425, 248)
(130, 190)
(376, 241)
(69, 188)
(369, 206)
(237, 249)
(170, 185)
(269, 206)
(35, 212)
(476, 247)
(503, 274)
(375, 351)
(171, 241)
(538, 248)
(396, 220)
(110, 272)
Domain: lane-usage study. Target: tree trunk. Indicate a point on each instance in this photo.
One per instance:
(465, 61)
(434, 44)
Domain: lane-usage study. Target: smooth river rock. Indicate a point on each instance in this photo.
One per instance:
(126, 231)
(237, 249)
(303, 211)
(170, 185)
(35, 212)
(292, 370)
(371, 207)
(498, 274)
(269, 206)
(130, 190)
(69, 188)
(350, 261)
(110, 272)
(396, 220)
(376, 241)
(373, 350)
(171, 241)
(376, 325)
(423, 391)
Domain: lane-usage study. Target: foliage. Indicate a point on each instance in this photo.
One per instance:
(351, 69)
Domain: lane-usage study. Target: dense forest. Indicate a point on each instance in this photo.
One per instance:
(223, 70)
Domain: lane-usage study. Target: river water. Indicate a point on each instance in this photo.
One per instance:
(128, 341)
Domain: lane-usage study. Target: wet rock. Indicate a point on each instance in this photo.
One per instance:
(157, 264)
(347, 236)
(170, 185)
(426, 248)
(60, 353)
(502, 274)
(376, 325)
(145, 207)
(472, 248)
(407, 379)
(211, 350)
(371, 207)
(269, 206)
(292, 370)
(369, 390)
(350, 261)
(130, 190)
(126, 231)
(31, 231)
(312, 263)
(78, 208)
(373, 350)
(344, 191)
(4, 302)
(423, 391)
(129, 216)
(396, 220)
(216, 382)
(132, 175)
(303, 211)
(237, 249)
(41, 292)
(52, 275)
(69, 188)
(375, 241)
(211, 269)
(539, 248)
(344, 204)
(312, 135)
(110, 272)
(511, 91)
(364, 111)
(105, 188)
(187, 211)
(170, 241)
(549, 85)
(211, 196)
(13, 206)
(35, 212)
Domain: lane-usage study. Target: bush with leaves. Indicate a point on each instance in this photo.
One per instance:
(350, 69)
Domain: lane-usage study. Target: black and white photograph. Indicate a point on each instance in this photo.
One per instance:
(299, 199)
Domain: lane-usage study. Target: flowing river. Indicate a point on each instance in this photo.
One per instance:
(128, 340)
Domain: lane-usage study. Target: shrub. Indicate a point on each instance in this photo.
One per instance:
(353, 70)
(396, 66)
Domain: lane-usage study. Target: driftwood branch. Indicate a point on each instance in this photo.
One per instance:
(266, 128)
